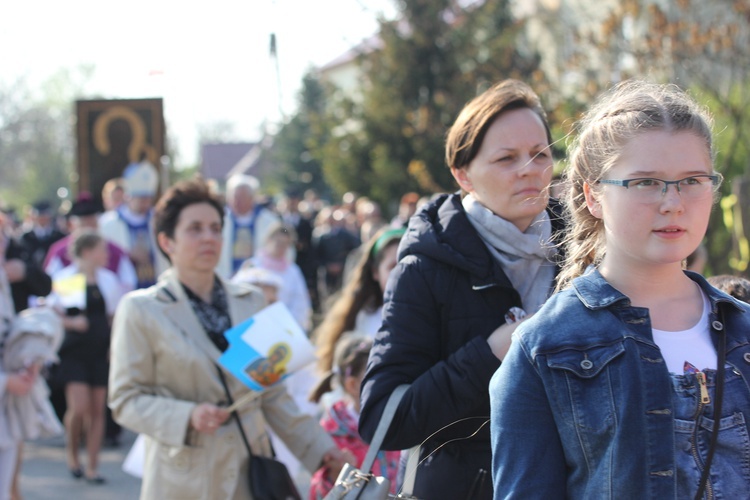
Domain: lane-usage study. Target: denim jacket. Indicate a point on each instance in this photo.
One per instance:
(582, 406)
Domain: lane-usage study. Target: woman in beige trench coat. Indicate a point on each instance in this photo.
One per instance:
(163, 377)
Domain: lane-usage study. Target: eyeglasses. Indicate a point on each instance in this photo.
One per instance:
(650, 190)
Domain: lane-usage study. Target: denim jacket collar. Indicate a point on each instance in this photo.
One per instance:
(596, 293)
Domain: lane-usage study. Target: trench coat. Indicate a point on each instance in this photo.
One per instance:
(163, 365)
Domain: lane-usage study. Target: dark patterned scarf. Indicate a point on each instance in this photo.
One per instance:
(214, 316)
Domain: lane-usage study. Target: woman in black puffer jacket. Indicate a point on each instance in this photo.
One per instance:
(471, 266)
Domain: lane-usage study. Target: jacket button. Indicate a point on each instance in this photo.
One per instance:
(586, 364)
(717, 325)
(746, 357)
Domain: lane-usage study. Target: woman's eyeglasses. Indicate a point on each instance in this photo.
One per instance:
(651, 190)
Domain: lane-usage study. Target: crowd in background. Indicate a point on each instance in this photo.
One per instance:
(550, 321)
(299, 249)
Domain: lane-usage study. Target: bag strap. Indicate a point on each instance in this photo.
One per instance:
(383, 425)
(234, 413)
(410, 473)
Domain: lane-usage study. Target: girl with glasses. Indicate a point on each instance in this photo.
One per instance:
(631, 381)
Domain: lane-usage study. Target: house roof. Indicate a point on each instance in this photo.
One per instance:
(366, 46)
(220, 160)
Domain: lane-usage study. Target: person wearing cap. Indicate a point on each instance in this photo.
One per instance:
(129, 226)
(42, 233)
(246, 223)
(84, 214)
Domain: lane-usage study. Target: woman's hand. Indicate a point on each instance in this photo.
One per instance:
(499, 340)
(19, 384)
(206, 418)
(334, 460)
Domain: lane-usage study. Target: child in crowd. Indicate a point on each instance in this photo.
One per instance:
(631, 381)
(264, 279)
(360, 305)
(18, 383)
(275, 257)
(341, 419)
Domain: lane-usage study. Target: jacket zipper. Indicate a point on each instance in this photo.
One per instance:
(704, 400)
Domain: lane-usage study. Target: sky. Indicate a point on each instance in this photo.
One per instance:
(209, 61)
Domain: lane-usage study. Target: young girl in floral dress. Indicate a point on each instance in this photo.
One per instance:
(342, 418)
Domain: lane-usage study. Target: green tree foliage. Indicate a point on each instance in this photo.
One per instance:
(297, 147)
(36, 150)
(730, 224)
(703, 47)
(36, 137)
(431, 61)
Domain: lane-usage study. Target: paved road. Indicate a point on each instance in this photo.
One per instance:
(45, 476)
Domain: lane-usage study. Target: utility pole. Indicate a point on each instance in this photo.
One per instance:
(275, 56)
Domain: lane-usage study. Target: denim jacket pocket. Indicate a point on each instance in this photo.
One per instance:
(585, 388)
(585, 362)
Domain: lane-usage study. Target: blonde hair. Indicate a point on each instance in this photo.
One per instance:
(626, 111)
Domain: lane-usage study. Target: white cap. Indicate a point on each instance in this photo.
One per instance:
(257, 276)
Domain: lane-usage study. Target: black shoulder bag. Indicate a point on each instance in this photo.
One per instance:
(268, 478)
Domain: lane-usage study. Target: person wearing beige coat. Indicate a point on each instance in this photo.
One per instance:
(164, 381)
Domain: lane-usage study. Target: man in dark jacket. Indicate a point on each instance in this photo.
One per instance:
(305, 259)
(26, 278)
(42, 234)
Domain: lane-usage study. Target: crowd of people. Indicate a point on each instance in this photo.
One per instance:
(552, 347)
(297, 251)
